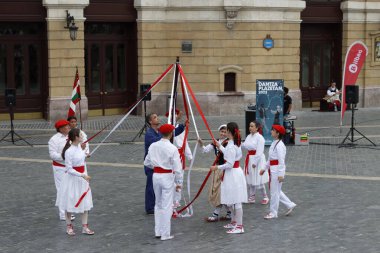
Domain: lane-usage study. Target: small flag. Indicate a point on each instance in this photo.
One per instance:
(75, 95)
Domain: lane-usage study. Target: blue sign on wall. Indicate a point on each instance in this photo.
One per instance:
(269, 105)
(268, 42)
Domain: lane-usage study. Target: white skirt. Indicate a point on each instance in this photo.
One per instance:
(71, 190)
(254, 178)
(234, 187)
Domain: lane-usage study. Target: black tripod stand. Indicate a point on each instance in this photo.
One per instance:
(352, 129)
(143, 129)
(12, 132)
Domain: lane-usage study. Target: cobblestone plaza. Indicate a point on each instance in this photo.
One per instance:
(335, 188)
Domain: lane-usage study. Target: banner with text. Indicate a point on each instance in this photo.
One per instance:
(269, 105)
(353, 63)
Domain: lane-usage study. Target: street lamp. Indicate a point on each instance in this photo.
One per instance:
(70, 24)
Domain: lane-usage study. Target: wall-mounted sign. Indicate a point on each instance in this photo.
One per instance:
(268, 42)
(187, 47)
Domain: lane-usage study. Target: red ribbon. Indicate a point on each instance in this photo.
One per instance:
(250, 152)
(182, 149)
(82, 197)
(135, 103)
(208, 128)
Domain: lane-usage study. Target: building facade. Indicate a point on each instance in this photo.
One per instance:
(122, 44)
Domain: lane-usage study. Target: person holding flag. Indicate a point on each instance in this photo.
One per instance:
(56, 144)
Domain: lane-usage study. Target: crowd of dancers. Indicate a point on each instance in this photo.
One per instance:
(231, 184)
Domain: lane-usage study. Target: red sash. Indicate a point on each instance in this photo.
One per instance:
(80, 169)
(236, 165)
(58, 164)
(161, 170)
(250, 152)
(273, 162)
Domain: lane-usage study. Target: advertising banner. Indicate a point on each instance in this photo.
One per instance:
(353, 63)
(269, 105)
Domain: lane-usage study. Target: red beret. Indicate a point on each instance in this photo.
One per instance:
(176, 112)
(166, 128)
(60, 123)
(279, 129)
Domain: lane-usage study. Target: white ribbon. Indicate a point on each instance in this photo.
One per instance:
(125, 116)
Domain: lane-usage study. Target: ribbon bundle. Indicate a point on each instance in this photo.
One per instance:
(186, 89)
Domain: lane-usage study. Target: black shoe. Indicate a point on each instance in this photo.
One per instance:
(149, 212)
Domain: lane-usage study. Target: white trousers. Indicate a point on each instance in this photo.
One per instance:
(163, 186)
(277, 196)
(58, 173)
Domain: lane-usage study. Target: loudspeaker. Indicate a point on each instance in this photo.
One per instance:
(143, 89)
(352, 94)
(10, 97)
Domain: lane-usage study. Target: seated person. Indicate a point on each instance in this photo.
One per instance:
(333, 97)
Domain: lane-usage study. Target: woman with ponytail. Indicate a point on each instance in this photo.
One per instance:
(276, 167)
(254, 162)
(234, 186)
(74, 195)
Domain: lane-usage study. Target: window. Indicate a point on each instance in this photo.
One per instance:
(230, 78)
(230, 81)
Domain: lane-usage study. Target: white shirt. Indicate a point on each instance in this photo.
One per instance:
(254, 142)
(84, 138)
(277, 153)
(56, 144)
(331, 92)
(178, 141)
(232, 153)
(165, 155)
(75, 157)
(210, 147)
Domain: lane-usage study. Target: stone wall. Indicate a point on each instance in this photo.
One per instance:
(64, 55)
(226, 36)
(361, 21)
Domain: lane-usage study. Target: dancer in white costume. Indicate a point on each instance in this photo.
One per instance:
(74, 195)
(216, 180)
(234, 186)
(254, 162)
(56, 144)
(163, 158)
(276, 164)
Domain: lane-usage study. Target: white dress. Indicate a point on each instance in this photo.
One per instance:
(74, 186)
(252, 175)
(234, 186)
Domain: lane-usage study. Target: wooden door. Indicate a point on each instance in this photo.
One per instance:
(110, 66)
(23, 65)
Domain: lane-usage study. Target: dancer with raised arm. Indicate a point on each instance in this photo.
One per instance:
(234, 186)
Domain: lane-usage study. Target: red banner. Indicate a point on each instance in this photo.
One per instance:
(355, 58)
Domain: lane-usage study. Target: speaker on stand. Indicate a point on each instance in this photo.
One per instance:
(147, 97)
(10, 102)
(351, 99)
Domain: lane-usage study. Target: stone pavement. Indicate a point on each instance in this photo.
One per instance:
(335, 188)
